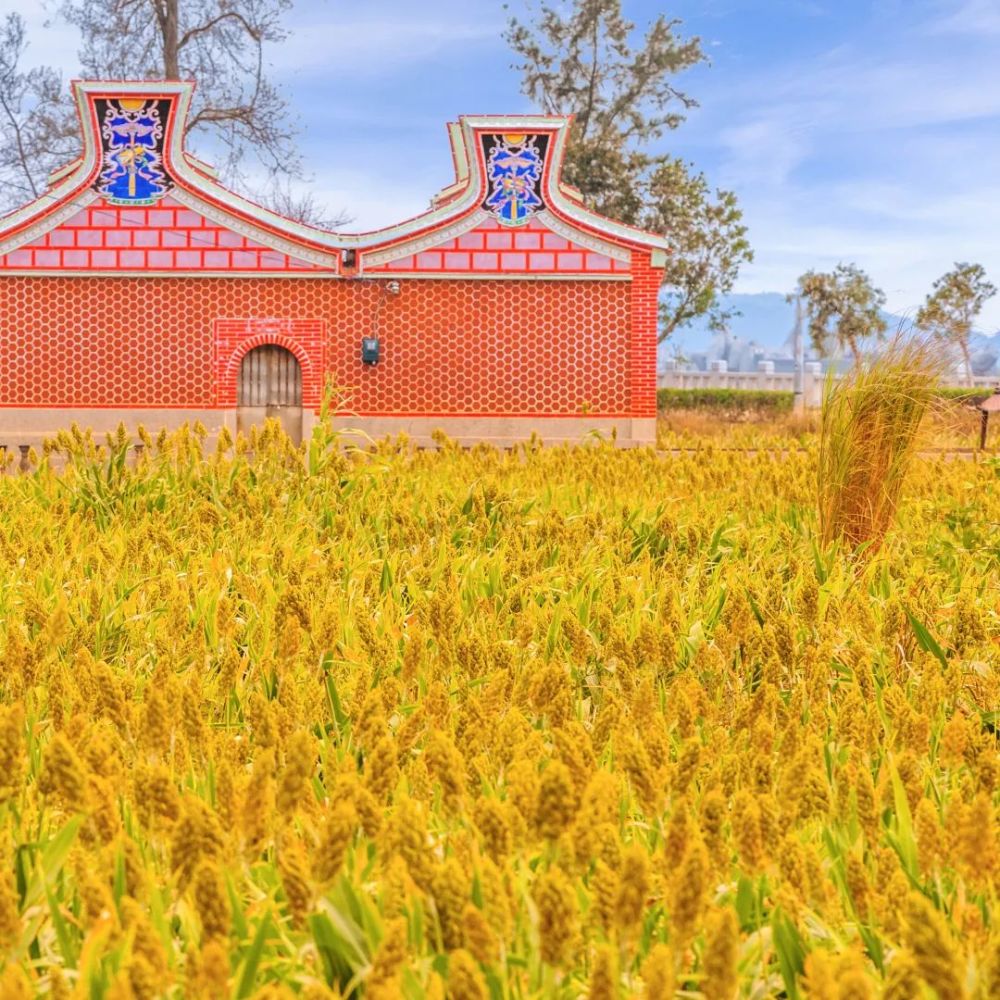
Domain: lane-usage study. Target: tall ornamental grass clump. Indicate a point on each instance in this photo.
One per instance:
(868, 435)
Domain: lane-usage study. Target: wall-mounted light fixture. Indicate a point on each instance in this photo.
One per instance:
(392, 288)
(369, 350)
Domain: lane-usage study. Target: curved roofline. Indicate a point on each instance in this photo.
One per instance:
(460, 199)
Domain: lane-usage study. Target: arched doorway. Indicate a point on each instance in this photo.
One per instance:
(270, 385)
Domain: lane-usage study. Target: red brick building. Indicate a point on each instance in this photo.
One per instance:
(138, 288)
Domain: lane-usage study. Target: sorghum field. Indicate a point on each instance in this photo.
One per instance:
(551, 723)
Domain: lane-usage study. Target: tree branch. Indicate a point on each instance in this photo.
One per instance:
(201, 29)
(22, 156)
(591, 89)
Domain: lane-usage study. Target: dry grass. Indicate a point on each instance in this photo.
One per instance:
(949, 424)
(869, 432)
(678, 428)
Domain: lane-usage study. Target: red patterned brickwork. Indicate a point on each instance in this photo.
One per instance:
(504, 347)
(164, 237)
(493, 248)
(645, 287)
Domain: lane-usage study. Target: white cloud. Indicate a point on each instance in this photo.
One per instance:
(902, 236)
(765, 149)
(974, 17)
(376, 45)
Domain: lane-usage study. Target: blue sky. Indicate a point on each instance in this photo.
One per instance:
(860, 131)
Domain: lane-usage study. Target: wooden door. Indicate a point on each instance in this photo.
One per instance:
(270, 385)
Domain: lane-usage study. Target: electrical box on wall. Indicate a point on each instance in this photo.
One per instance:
(370, 350)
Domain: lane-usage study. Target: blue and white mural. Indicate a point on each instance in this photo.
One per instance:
(132, 142)
(514, 165)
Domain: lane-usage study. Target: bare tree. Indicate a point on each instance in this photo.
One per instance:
(38, 131)
(301, 205)
(219, 44)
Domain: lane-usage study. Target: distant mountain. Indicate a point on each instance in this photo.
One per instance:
(766, 319)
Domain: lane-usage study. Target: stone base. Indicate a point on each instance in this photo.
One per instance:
(33, 425)
(502, 431)
(29, 426)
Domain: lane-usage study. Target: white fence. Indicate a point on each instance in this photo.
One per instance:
(768, 380)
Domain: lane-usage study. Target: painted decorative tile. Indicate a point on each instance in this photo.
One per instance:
(132, 150)
(514, 165)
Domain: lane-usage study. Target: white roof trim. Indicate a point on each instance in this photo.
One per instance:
(375, 258)
(219, 216)
(51, 221)
(554, 196)
(434, 239)
(62, 171)
(612, 250)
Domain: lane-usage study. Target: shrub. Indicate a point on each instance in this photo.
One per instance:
(757, 401)
(973, 397)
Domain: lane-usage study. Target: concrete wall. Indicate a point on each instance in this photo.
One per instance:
(769, 381)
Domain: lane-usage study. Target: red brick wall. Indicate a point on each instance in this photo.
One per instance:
(492, 247)
(512, 347)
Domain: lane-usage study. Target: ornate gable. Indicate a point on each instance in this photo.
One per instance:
(136, 200)
(508, 181)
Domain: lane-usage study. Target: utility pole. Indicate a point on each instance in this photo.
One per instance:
(799, 404)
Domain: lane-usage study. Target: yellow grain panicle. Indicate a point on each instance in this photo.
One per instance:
(311, 721)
